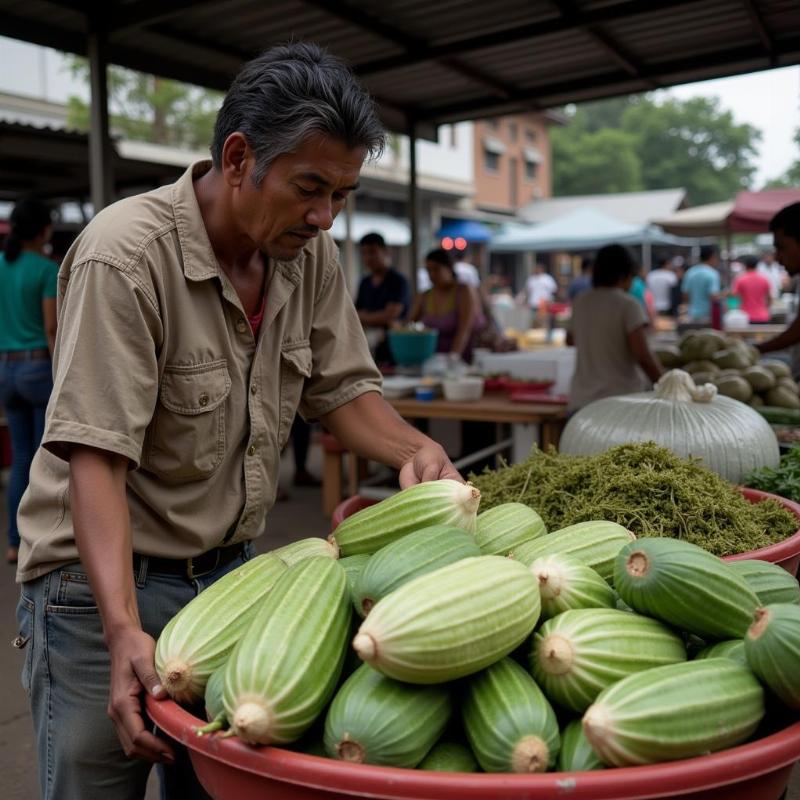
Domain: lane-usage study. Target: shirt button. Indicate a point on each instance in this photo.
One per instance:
(253, 389)
(251, 451)
(241, 325)
(203, 399)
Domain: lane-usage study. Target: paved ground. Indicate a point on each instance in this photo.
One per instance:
(296, 518)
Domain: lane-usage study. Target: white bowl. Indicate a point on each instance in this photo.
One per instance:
(463, 389)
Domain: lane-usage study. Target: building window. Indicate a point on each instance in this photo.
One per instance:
(492, 123)
(512, 131)
(491, 161)
(530, 135)
(530, 171)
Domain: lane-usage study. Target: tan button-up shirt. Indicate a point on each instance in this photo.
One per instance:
(155, 360)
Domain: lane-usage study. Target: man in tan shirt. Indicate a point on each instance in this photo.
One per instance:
(193, 322)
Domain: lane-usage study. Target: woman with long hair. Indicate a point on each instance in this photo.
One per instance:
(28, 287)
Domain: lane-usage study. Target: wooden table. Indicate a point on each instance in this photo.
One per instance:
(496, 408)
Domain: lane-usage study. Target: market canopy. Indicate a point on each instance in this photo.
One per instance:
(700, 221)
(469, 229)
(581, 229)
(395, 232)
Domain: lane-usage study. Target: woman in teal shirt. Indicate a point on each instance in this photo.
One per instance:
(28, 287)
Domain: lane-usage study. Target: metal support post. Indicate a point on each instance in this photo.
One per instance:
(100, 164)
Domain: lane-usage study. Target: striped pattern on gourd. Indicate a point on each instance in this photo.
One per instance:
(285, 668)
(199, 638)
(579, 653)
(510, 725)
(451, 622)
(576, 754)
(442, 502)
(771, 583)
(449, 757)
(215, 707)
(376, 720)
(686, 587)
(732, 648)
(595, 543)
(676, 711)
(352, 566)
(306, 548)
(565, 583)
(501, 529)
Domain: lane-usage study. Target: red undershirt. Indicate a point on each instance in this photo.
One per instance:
(257, 318)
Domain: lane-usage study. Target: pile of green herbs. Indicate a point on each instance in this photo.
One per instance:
(783, 480)
(644, 487)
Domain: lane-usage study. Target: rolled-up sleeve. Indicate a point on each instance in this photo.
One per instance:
(105, 382)
(342, 367)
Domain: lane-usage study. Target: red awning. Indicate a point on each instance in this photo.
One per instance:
(752, 211)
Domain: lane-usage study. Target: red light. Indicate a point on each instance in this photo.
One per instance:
(447, 243)
(461, 243)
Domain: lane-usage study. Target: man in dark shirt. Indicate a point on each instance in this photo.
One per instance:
(383, 295)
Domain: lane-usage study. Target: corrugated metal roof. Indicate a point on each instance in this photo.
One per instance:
(442, 61)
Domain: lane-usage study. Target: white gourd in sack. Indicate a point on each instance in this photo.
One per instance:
(730, 437)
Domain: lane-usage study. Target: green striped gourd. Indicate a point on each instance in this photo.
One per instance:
(579, 653)
(199, 638)
(285, 668)
(686, 587)
(772, 647)
(352, 566)
(443, 502)
(377, 720)
(576, 754)
(306, 548)
(451, 622)
(449, 757)
(509, 723)
(677, 711)
(732, 648)
(566, 583)
(771, 583)
(215, 707)
(595, 543)
(505, 527)
(418, 553)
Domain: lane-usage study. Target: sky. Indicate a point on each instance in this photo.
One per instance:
(769, 100)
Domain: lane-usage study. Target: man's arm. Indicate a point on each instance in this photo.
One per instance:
(637, 341)
(49, 319)
(399, 445)
(385, 316)
(789, 338)
(103, 536)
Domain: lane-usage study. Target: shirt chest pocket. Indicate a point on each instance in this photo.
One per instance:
(295, 368)
(186, 439)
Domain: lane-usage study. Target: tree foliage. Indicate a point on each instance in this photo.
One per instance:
(791, 178)
(634, 143)
(149, 108)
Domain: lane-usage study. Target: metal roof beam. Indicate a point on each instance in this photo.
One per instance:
(557, 24)
(761, 28)
(142, 13)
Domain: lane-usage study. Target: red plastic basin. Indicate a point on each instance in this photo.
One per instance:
(786, 553)
(230, 770)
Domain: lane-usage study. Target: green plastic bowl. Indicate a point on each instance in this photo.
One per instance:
(411, 348)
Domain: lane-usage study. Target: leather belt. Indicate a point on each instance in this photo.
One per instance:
(24, 355)
(195, 567)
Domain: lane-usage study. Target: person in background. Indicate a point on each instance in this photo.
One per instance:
(383, 295)
(28, 288)
(660, 281)
(785, 227)
(676, 293)
(466, 271)
(774, 272)
(540, 289)
(448, 306)
(608, 330)
(753, 290)
(701, 284)
(582, 282)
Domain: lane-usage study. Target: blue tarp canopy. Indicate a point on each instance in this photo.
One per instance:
(581, 229)
(467, 229)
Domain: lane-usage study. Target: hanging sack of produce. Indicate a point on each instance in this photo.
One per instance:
(728, 436)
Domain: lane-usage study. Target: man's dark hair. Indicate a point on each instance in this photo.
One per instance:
(440, 256)
(750, 262)
(707, 251)
(290, 92)
(372, 239)
(662, 262)
(28, 219)
(788, 221)
(613, 263)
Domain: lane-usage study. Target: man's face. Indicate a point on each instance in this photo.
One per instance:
(374, 257)
(787, 252)
(300, 194)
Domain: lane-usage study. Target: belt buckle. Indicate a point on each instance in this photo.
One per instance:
(190, 567)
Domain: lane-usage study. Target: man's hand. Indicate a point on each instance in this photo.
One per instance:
(429, 463)
(132, 672)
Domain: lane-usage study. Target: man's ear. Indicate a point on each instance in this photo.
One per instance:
(236, 159)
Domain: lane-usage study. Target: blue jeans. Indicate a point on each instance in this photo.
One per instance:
(66, 675)
(25, 388)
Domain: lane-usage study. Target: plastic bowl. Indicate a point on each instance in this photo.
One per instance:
(786, 553)
(230, 770)
(460, 390)
(412, 348)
